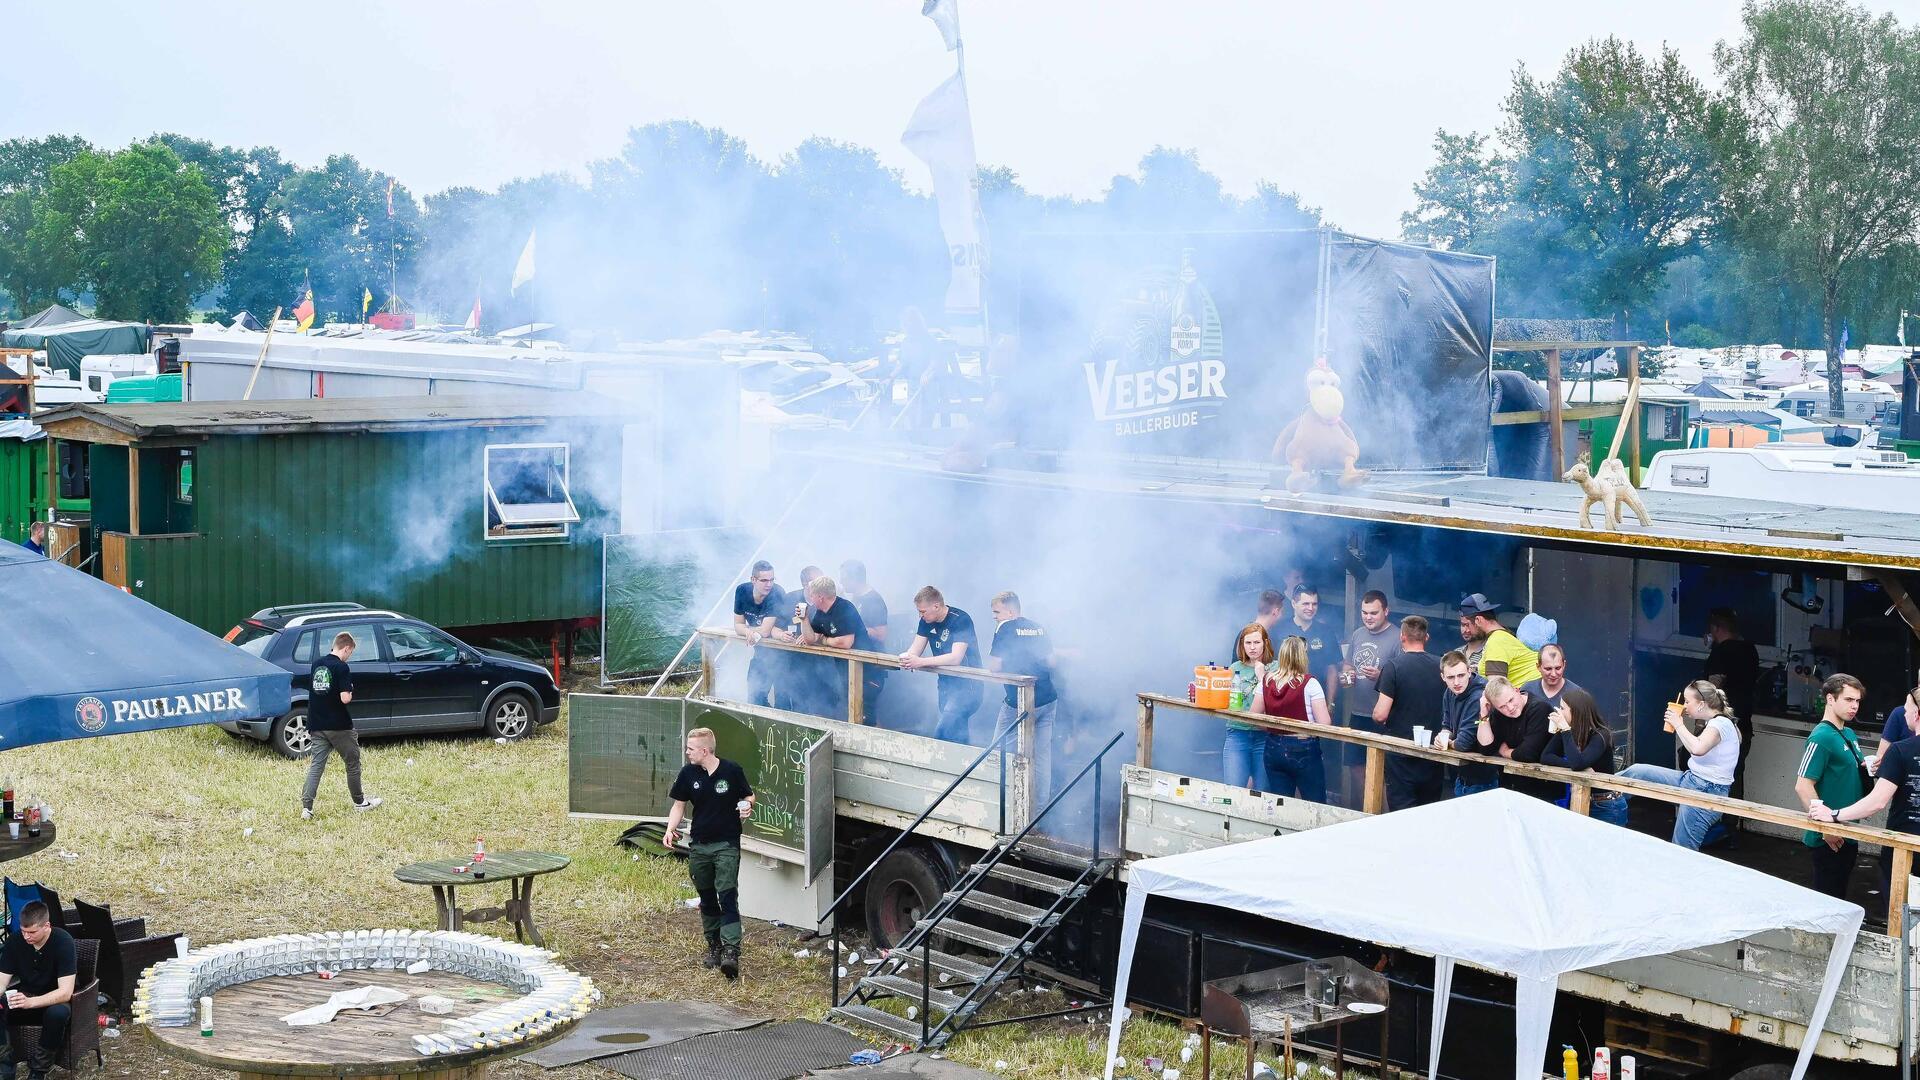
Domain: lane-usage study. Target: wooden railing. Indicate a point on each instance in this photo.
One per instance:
(1581, 784)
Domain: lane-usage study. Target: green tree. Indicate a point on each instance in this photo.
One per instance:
(1615, 172)
(34, 274)
(146, 226)
(1460, 201)
(1824, 176)
(337, 216)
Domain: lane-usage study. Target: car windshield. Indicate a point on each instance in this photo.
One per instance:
(254, 639)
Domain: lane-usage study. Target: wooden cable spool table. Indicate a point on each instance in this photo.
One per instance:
(249, 1037)
(516, 868)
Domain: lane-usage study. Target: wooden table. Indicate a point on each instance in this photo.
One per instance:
(249, 1037)
(516, 868)
(11, 849)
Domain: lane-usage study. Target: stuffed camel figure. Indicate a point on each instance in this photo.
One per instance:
(1318, 441)
(1611, 489)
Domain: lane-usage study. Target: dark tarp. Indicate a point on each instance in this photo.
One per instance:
(1199, 344)
(80, 658)
(49, 316)
(68, 342)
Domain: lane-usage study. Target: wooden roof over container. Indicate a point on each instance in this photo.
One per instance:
(130, 423)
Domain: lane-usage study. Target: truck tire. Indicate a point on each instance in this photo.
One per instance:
(290, 737)
(904, 886)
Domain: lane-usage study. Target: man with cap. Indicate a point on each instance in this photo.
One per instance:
(1502, 654)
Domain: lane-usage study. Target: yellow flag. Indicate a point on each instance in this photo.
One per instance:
(366, 302)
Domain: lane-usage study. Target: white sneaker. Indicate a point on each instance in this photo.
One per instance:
(369, 804)
(306, 813)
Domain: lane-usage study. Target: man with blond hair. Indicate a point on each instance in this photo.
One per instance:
(834, 623)
(1021, 647)
(721, 799)
(945, 638)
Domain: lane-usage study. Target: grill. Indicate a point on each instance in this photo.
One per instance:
(1274, 1005)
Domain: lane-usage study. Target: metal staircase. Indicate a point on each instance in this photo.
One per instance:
(1000, 910)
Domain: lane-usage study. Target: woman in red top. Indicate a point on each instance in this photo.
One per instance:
(1289, 692)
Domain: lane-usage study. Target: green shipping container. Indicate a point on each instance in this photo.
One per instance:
(449, 509)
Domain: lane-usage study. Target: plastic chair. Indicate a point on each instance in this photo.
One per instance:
(122, 959)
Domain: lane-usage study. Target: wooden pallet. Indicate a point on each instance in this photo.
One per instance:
(1639, 1033)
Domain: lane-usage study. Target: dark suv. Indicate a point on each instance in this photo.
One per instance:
(408, 677)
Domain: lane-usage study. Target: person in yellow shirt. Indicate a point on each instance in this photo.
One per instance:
(1503, 654)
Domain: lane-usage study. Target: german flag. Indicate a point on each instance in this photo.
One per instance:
(303, 311)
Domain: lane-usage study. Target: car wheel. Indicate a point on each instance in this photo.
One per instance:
(510, 717)
(290, 737)
(903, 888)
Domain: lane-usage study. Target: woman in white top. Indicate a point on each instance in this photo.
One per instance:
(1715, 750)
(1287, 690)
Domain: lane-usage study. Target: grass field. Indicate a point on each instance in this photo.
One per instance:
(157, 825)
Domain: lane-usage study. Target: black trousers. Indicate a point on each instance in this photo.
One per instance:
(1413, 782)
(1832, 869)
(52, 1022)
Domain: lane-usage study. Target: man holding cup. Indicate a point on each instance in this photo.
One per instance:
(1411, 692)
(721, 799)
(38, 967)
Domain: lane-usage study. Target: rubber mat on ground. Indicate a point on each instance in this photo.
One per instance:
(606, 1032)
(906, 1067)
(771, 1052)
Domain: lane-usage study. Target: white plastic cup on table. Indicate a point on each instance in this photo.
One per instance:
(180, 946)
(13, 830)
(1422, 736)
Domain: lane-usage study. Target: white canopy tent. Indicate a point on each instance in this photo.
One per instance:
(1529, 866)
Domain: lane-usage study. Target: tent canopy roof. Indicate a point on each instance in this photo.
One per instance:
(79, 657)
(1528, 864)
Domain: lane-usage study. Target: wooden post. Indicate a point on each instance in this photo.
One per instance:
(1027, 750)
(1897, 892)
(1143, 750)
(1633, 421)
(856, 692)
(1555, 443)
(1376, 797)
(133, 491)
(1581, 800)
(706, 666)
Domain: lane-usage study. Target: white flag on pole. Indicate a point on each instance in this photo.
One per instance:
(473, 317)
(1901, 333)
(945, 15)
(523, 270)
(941, 134)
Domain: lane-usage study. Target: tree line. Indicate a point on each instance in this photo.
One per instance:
(682, 232)
(1783, 205)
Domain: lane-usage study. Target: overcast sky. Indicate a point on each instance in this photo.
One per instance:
(1338, 102)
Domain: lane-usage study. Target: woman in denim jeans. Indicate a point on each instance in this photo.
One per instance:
(1715, 750)
(1244, 757)
(1287, 691)
(1582, 742)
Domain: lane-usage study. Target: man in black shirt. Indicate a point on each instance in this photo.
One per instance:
(330, 684)
(721, 799)
(799, 678)
(945, 638)
(1513, 726)
(1411, 693)
(758, 605)
(38, 968)
(832, 623)
(1021, 647)
(1733, 665)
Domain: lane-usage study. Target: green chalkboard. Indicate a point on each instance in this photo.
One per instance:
(623, 752)
(773, 754)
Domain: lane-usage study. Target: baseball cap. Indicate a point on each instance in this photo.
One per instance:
(1477, 604)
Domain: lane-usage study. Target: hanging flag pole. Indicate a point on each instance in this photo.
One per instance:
(393, 251)
(941, 135)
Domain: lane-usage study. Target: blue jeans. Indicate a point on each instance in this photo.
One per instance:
(1295, 765)
(1462, 788)
(1243, 758)
(956, 713)
(1690, 825)
(1612, 811)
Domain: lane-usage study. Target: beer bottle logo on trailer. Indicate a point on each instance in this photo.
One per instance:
(1159, 355)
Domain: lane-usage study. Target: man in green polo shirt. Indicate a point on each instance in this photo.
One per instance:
(1831, 774)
